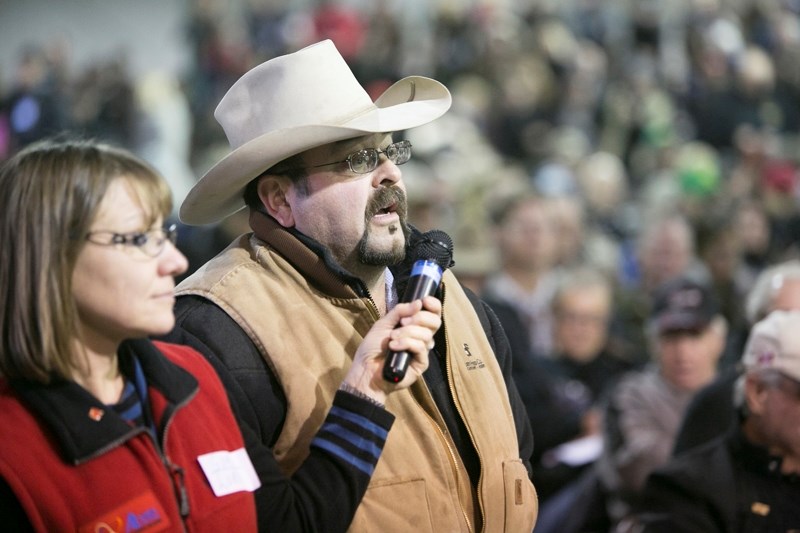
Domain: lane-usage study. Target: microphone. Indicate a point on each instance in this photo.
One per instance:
(432, 254)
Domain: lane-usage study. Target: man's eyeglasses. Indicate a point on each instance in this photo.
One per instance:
(150, 242)
(366, 160)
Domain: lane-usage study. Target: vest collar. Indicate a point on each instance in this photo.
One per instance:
(315, 263)
(81, 424)
(308, 256)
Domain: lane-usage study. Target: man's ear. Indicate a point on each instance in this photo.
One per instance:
(755, 394)
(272, 191)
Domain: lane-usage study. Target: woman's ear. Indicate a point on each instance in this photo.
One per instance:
(272, 191)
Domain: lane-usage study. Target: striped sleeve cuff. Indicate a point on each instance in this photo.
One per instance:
(355, 432)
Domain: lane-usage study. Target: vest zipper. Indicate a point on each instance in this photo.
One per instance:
(376, 314)
(441, 432)
(175, 471)
(453, 459)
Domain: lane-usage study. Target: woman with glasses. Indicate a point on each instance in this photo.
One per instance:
(102, 429)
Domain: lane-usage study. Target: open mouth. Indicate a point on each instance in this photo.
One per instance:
(388, 210)
(387, 202)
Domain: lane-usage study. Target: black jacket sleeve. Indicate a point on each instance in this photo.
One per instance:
(324, 493)
(252, 386)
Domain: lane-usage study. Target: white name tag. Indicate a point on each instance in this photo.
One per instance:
(229, 472)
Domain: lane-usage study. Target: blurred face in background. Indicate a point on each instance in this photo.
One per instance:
(774, 421)
(665, 252)
(581, 322)
(527, 237)
(752, 226)
(723, 256)
(568, 216)
(688, 358)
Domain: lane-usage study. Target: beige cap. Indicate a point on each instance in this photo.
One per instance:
(775, 343)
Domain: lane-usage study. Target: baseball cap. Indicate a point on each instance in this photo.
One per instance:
(683, 304)
(774, 342)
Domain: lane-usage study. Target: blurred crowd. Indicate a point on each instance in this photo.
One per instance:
(607, 145)
(616, 112)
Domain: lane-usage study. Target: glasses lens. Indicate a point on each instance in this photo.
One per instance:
(399, 152)
(154, 243)
(363, 161)
(157, 238)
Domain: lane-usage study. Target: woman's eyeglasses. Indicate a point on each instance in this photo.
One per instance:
(150, 242)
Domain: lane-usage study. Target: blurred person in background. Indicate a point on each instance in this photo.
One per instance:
(687, 337)
(752, 224)
(750, 94)
(570, 227)
(579, 375)
(664, 250)
(719, 247)
(582, 307)
(525, 234)
(36, 106)
(747, 479)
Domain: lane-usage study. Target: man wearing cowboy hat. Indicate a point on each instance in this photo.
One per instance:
(281, 311)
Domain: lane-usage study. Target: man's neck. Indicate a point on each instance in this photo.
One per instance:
(790, 463)
(375, 281)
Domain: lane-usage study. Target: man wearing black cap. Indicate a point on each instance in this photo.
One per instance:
(687, 337)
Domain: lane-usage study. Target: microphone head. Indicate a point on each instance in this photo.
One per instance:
(436, 246)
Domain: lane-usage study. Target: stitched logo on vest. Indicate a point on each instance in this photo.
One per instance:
(140, 514)
(472, 364)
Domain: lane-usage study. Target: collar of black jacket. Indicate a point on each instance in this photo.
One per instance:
(81, 424)
(754, 457)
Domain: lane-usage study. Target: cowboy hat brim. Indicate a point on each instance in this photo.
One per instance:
(410, 102)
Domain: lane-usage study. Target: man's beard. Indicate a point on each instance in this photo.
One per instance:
(385, 196)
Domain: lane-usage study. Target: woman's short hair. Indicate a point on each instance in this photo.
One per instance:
(50, 193)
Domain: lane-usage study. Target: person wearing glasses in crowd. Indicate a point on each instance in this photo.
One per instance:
(281, 310)
(747, 479)
(102, 429)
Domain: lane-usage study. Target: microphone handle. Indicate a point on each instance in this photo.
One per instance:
(424, 283)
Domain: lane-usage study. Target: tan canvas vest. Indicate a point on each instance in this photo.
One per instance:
(420, 483)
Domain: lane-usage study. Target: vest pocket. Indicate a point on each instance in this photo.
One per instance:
(522, 503)
(396, 506)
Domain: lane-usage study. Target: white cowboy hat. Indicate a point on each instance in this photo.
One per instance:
(295, 102)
